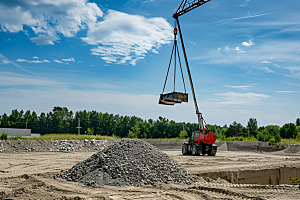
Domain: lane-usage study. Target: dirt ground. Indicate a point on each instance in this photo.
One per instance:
(29, 175)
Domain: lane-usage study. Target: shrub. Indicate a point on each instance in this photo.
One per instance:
(131, 134)
(3, 136)
(277, 138)
(260, 136)
(183, 134)
(272, 141)
(16, 138)
(89, 131)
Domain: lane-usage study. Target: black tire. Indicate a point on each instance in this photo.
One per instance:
(184, 150)
(194, 150)
(211, 153)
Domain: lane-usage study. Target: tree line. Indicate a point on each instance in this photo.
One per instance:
(62, 120)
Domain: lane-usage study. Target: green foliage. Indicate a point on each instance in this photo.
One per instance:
(272, 141)
(235, 129)
(297, 122)
(3, 136)
(273, 129)
(260, 136)
(289, 130)
(16, 138)
(183, 134)
(295, 181)
(131, 134)
(277, 138)
(252, 127)
(89, 131)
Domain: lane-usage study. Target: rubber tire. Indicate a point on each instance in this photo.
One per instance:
(184, 150)
(194, 150)
(209, 153)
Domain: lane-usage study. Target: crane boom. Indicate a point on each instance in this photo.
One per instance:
(185, 7)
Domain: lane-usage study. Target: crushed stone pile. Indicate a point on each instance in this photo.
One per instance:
(128, 162)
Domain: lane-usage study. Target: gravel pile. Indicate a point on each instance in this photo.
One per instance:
(128, 162)
(52, 145)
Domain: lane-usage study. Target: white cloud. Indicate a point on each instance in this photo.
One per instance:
(265, 69)
(245, 3)
(265, 61)
(244, 87)
(248, 44)
(286, 92)
(68, 60)
(35, 57)
(239, 50)
(21, 60)
(227, 48)
(33, 61)
(239, 18)
(5, 62)
(44, 40)
(286, 52)
(47, 18)
(124, 38)
(240, 98)
(219, 49)
(58, 61)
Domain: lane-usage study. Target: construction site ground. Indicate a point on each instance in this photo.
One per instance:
(228, 175)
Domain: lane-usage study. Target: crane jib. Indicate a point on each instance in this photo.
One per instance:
(187, 6)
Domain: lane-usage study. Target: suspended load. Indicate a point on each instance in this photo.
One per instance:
(173, 97)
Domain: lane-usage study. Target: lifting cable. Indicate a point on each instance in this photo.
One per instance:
(175, 46)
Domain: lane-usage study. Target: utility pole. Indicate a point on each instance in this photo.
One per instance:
(26, 124)
(183, 126)
(79, 126)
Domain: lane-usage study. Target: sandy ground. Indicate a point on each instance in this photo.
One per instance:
(28, 175)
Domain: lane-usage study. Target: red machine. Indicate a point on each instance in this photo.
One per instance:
(202, 141)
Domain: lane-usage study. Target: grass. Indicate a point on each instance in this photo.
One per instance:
(290, 141)
(70, 137)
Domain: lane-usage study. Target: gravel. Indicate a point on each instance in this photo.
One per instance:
(128, 162)
(52, 145)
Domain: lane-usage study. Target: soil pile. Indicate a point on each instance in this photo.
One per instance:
(128, 162)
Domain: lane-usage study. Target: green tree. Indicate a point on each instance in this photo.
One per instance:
(289, 130)
(183, 134)
(252, 127)
(235, 129)
(298, 122)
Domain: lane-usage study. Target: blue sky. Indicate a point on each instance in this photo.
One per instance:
(112, 56)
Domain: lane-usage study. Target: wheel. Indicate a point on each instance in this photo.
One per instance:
(184, 150)
(211, 153)
(194, 150)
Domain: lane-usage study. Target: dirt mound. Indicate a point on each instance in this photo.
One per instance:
(128, 162)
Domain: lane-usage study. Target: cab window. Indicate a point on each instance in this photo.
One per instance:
(197, 134)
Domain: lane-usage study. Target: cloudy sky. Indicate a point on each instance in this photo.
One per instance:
(112, 56)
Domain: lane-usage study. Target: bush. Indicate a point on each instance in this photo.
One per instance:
(272, 141)
(260, 136)
(131, 135)
(16, 138)
(3, 136)
(89, 131)
(277, 138)
(183, 134)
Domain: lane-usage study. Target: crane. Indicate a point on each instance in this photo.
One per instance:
(201, 141)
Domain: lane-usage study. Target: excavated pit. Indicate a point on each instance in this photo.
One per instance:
(275, 176)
